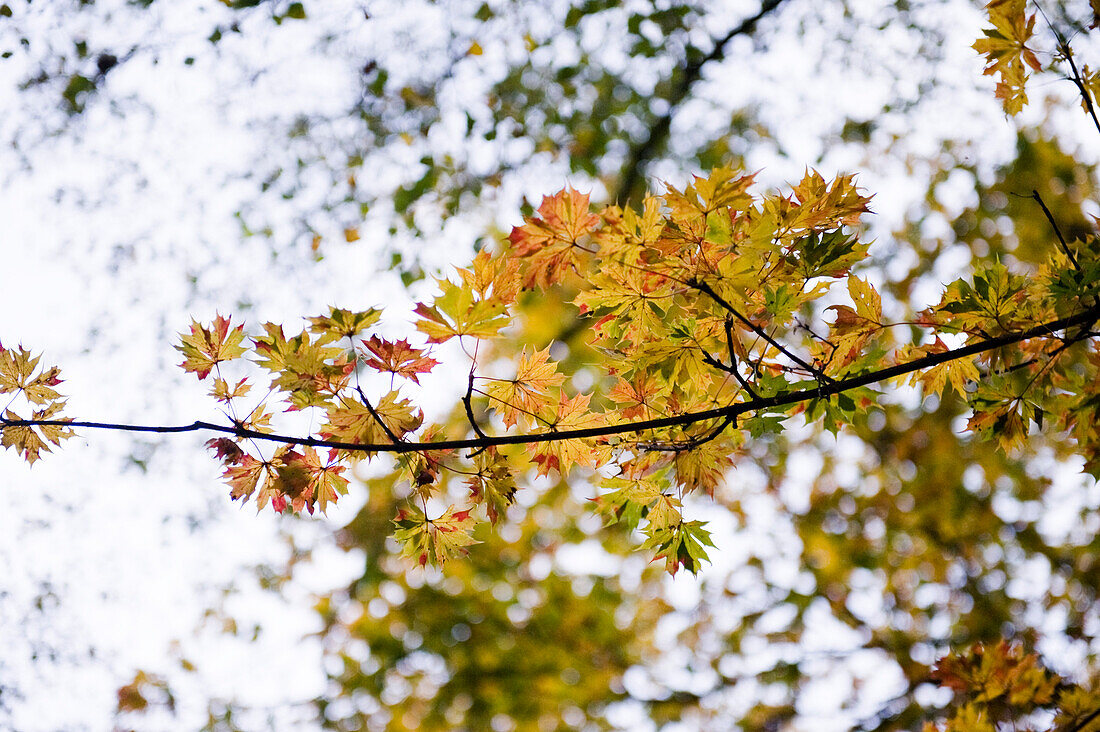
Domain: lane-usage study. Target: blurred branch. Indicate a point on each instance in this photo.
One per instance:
(631, 178)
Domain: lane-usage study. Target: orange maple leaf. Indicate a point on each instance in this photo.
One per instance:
(397, 358)
(549, 242)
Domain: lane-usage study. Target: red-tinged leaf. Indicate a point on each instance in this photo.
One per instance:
(353, 421)
(397, 358)
(495, 278)
(307, 368)
(223, 392)
(436, 540)
(326, 482)
(562, 455)
(636, 398)
(704, 466)
(1006, 51)
(549, 242)
(17, 369)
(203, 348)
(494, 485)
(226, 450)
(243, 475)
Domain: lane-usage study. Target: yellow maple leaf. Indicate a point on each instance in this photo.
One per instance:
(562, 455)
(526, 394)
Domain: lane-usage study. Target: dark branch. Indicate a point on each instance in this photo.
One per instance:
(733, 358)
(377, 417)
(467, 403)
(731, 412)
(705, 288)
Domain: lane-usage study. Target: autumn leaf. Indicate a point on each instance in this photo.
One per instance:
(32, 440)
(456, 312)
(17, 369)
(704, 466)
(628, 500)
(957, 372)
(242, 476)
(353, 422)
(310, 371)
(562, 455)
(340, 323)
(854, 327)
(435, 540)
(493, 485)
(204, 348)
(548, 243)
(524, 396)
(1006, 52)
(326, 481)
(397, 358)
(223, 392)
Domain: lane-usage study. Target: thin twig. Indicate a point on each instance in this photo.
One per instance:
(1057, 230)
(466, 402)
(377, 417)
(733, 359)
(709, 291)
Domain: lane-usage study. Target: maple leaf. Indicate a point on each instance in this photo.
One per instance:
(549, 242)
(341, 323)
(456, 312)
(679, 544)
(853, 327)
(17, 375)
(525, 395)
(633, 298)
(223, 392)
(958, 372)
(636, 398)
(493, 484)
(353, 421)
(704, 466)
(203, 348)
(326, 482)
(821, 206)
(630, 499)
(436, 539)
(285, 478)
(397, 358)
(242, 476)
(31, 440)
(493, 277)
(226, 450)
(1002, 670)
(562, 455)
(1006, 52)
(308, 369)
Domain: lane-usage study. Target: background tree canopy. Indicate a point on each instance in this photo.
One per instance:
(852, 550)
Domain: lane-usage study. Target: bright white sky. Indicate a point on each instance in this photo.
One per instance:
(114, 233)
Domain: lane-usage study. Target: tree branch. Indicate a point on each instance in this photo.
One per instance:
(731, 412)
